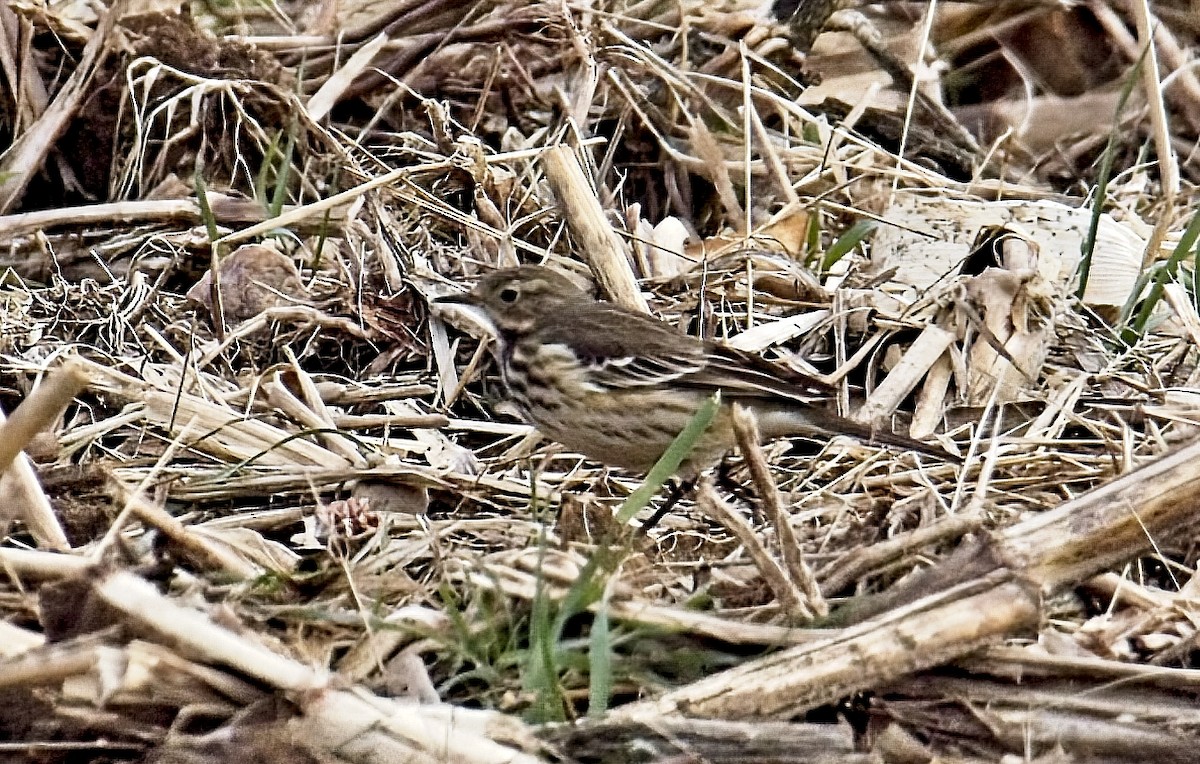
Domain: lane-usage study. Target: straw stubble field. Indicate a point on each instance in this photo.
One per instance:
(261, 503)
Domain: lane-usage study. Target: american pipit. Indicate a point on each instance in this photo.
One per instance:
(618, 386)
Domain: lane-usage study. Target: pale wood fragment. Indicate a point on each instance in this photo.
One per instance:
(598, 244)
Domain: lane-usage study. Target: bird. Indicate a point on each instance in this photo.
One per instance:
(618, 386)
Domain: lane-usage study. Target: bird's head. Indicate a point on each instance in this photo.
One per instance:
(511, 300)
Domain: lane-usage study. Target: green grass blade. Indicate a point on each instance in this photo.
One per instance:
(1106, 162)
(847, 242)
(587, 589)
(600, 667)
(283, 175)
(263, 177)
(1163, 274)
(1196, 278)
(546, 654)
(668, 464)
(812, 236)
(206, 213)
(540, 676)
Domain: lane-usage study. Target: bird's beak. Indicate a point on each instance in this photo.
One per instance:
(459, 298)
(464, 310)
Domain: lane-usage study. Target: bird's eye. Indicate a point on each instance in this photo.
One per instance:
(508, 295)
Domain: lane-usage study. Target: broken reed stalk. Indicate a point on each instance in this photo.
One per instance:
(928, 633)
(38, 412)
(790, 598)
(746, 429)
(989, 589)
(25, 499)
(372, 728)
(597, 243)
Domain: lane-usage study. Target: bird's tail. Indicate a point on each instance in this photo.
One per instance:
(807, 421)
(874, 436)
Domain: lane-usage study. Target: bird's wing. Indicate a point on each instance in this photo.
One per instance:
(623, 350)
(742, 375)
(620, 349)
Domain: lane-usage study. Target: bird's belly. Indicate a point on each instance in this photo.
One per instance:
(632, 435)
(629, 428)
